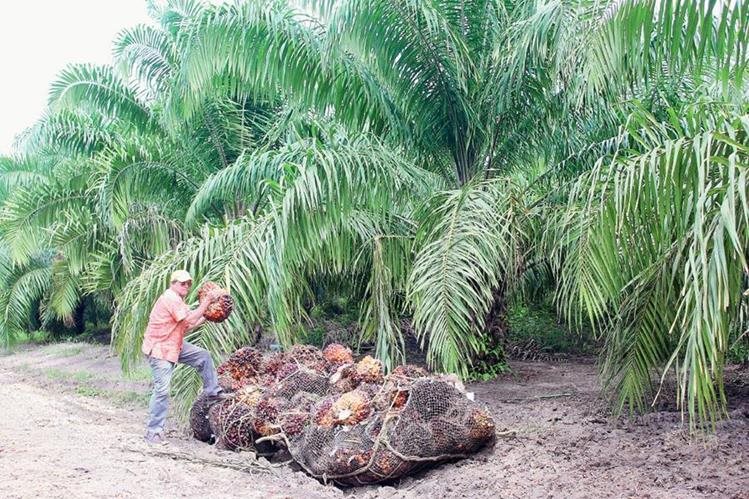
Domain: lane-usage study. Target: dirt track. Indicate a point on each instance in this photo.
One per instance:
(66, 430)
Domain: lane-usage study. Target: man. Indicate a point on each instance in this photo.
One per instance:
(164, 346)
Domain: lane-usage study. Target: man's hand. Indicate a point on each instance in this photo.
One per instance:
(195, 318)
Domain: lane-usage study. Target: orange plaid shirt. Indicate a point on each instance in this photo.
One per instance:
(166, 327)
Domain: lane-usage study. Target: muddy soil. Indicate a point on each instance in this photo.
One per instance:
(71, 426)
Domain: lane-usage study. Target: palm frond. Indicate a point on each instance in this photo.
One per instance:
(465, 246)
(670, 219)
(23, 287)
(147, 54)
(97, 87)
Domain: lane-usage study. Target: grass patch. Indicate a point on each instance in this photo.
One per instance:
(118, 398)
(141, 373)
(56, 374)
(130, 398)
(66, 350)
(90, 391)
(61, 374)
(536, 327)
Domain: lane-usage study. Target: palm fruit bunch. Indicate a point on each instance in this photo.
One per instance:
(249, 395)
(308, 356)
(348, 460)
(220, 308)
(410, 371)
(481, 425)
(240, 368)
(347, 410)
(447, 436)
(411, 436)
(228, 383)
(323, 416)
(337, 355)
(343, 379)
(199, 424)
(293, 422)
(266, 416)
(231, 424)
(299, 379)
(368, 370)
(393, 394)
(385, 464)
(286, 370)
(274, 362)
(432, 398)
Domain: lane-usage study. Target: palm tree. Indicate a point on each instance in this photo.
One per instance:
(444, 156)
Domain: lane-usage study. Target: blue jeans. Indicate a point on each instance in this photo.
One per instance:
(162, 371)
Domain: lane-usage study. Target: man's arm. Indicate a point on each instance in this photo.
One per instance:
(195, 317)
(193, 325)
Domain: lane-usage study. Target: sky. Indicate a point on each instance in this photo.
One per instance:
(38, 38)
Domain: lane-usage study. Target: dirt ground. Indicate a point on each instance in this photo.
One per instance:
(71, 426)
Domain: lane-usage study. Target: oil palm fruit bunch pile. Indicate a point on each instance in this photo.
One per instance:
(340, 419)
(244, 367)
(221, 307)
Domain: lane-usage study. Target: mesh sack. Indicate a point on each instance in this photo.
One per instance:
(345, 421)
(343, 379)
(309, 357)
(434, 422)
(231, 423)
(201, 428)
(299, 379)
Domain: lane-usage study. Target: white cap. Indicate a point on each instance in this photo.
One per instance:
(180, 276)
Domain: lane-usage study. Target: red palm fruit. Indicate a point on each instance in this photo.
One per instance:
(206, 288)
(351, 408)
(481, 425)
(368, 370)
(226, 382)
(337, 354)
(393, 394)
(386, 463)
(240, 368)
(287, 370)
(399, 399)
(342, 380)
(231, 423)
(293, 423)
(219, 310)
(410, 371)
(348, 460)
(266, 416)
(361, 459)
(274, 362)
(323, 414)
